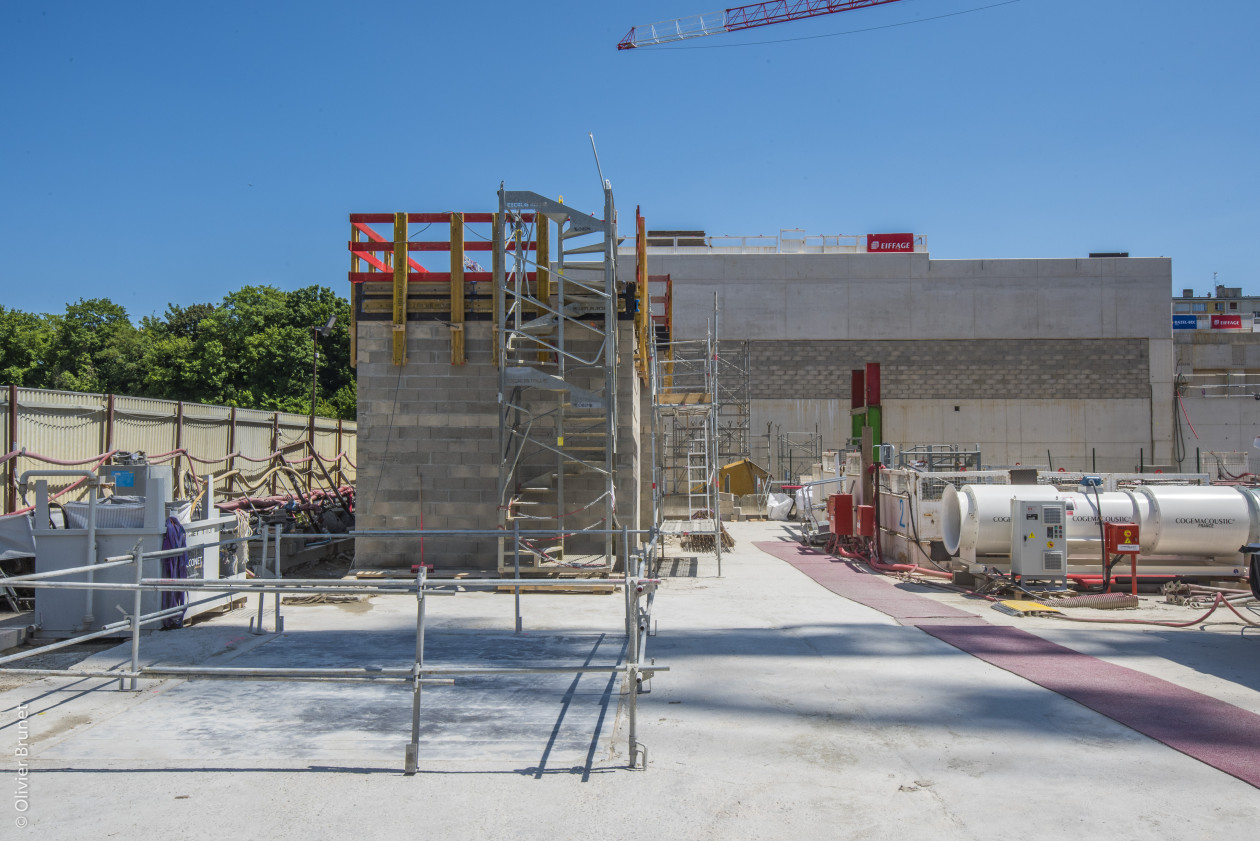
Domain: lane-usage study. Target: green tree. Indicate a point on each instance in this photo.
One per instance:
(92, 347)
(253, 350)
(25, 341)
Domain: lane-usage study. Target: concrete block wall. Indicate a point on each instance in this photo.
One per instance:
(632, 425)
(428, 446)
(967, 369)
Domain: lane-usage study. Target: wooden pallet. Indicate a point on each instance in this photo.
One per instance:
(560, 587)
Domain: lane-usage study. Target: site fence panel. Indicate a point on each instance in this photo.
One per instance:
(80, 428)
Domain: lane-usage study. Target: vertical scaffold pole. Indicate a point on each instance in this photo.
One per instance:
(137, 557)
(279, 620)
(262, 565)
(516, 566)
(715, 411)
(412, 759)
(400, 289)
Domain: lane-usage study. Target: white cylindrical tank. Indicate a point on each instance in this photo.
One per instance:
(1203, 521)
(1083, 533)
(978, 517)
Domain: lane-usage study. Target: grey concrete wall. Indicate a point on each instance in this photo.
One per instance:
(1224, 424)
(1080, 434)
(1084, 343)
(897, 296)
(1216, 351)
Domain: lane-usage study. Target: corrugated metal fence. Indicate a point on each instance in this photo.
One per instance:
(73, 427)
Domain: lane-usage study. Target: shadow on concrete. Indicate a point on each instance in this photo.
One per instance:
(918, 692)
(538, 724)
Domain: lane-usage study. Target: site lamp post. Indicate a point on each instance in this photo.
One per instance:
(316, 332)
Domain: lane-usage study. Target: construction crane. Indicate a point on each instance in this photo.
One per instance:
(740, 17)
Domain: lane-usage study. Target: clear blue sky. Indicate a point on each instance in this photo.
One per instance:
(156, 152)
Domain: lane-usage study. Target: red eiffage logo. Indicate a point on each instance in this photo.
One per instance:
(1227, 322)
(890, 243)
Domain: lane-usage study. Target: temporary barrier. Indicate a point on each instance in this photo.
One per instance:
(639, 590)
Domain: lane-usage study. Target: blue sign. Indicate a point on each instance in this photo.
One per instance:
(1185, 322)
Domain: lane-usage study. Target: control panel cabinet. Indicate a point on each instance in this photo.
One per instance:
(1039, 540)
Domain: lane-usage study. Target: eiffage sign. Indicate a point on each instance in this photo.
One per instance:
(890, 243)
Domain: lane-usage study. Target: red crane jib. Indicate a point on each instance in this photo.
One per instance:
(763, 14)
(737, 18)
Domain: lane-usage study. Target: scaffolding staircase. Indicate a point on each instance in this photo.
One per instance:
(556, 349)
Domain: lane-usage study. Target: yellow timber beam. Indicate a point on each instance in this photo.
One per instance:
(457, 289)
(400, 288)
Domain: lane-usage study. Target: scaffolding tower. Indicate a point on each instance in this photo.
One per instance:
(733, 402)
(686, 408)
(556, 348)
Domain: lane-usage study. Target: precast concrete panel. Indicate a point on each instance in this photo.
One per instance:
(943, 311)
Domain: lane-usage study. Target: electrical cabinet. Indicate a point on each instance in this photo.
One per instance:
(1039, 539)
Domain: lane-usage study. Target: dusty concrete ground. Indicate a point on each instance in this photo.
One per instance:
(789, 712)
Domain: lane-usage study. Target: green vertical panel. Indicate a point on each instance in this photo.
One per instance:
(875, 420)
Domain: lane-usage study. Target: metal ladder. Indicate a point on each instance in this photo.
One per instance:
(699, 475)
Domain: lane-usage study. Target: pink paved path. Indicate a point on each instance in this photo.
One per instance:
(1212, 731)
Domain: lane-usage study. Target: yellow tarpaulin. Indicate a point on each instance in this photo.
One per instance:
(740, 477)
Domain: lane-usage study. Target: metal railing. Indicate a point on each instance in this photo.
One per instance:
(639, 590)
(760, 244)
(1218, 385)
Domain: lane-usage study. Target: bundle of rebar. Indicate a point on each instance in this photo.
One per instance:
(704, 542)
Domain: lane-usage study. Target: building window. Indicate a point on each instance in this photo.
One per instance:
(1198, 307)
(1233, 305)
(1219, 306)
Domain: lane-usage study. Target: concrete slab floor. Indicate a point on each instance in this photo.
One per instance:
(789, 712)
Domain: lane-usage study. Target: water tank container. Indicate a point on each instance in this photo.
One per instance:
(1195, 520)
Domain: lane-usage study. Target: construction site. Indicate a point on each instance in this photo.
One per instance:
(650, 531)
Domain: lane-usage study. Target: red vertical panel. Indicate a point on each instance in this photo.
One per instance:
(872, 384)
(857, 389)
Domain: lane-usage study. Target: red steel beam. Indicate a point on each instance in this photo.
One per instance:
(425, 277)
(426, 218)
(434, 246)
(374, 236)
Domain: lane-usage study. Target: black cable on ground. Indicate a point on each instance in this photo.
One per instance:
(1102, 537)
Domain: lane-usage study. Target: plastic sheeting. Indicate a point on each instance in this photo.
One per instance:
(778, 506)
(17, 537)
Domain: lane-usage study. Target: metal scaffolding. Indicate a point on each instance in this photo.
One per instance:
(734, 438)
(686, 394)
(556, 350)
